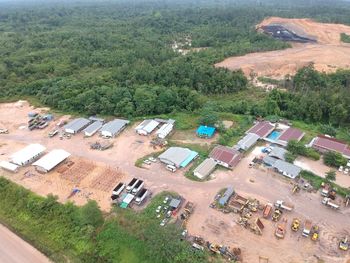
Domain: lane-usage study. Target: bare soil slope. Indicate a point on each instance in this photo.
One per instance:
(328, 54)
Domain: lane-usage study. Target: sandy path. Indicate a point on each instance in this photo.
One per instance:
(328, 54)
(13, 249)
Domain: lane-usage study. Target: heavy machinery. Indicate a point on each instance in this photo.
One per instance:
(344, 244)
(281, 229)
(283, 205)
(215, 248)
(330, 203)
(267, 210)
(276, 215)
(307, 228)
(295, 224)
(315, 232)
(4, 131)
(295, 189)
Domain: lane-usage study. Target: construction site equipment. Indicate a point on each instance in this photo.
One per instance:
(4, 131)
(347, 200)
(131, 185)
(101, 145)
(329, 202)
(315, 232)
(307, 228)
(257, 227)
(295, 224)
(237, 203)
(118, 189)
(267, 210)
(197, 246)
(53, 133)
(276, 215)
(328, 191)
(199, 240)
(284, 205)
(281, 229)
(295, 189)
(215, 248)
(188, 210)
(344, 243)
(141, 196)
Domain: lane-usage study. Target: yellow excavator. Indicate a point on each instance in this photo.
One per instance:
(276, 215)
(344, 244)
(295, 224)
(315, 233)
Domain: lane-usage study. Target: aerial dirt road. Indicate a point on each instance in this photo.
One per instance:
(15, 250)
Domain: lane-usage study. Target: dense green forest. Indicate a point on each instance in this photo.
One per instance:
(116, 57)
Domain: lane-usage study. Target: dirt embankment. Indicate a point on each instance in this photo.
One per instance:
(327, 55)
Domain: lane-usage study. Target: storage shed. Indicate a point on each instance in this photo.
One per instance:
(28, 154)
(248, 141)
(177, 156)
(76, 125)
(146, 127)
(164, 130)
(205, 168)
(278, 152)
(205, 131)
(287, 169)
(113, 128)
(9, 166)
(51, 160)
(92, 128)
(226, 196)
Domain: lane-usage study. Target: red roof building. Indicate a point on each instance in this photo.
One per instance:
(262, 129)
(290, 134)
(226, 156)
(324, 144)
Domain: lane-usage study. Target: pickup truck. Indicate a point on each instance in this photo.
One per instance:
(307, 228)
(283, 205)
(329, 202)
(131, 185)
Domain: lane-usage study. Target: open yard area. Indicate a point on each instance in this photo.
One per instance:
(95, 173)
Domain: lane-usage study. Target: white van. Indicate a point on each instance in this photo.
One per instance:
(171, 168)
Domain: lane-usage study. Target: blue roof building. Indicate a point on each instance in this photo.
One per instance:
(205, 131)
(193, 155)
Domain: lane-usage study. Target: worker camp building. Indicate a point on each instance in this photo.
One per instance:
(113, 128)
(324, 144)
(76, 125)
(9, 166)
(287, 169)
(177, 156)
(205, 168)
(248, 141)
(166, 128)
(27, 155)
(51, 160)
(147, 127)
(92, 128)
(225, 156)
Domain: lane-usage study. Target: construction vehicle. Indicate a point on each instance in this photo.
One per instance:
(199, 240)
(281, 229)
(347, 200)
(315, 232)
(118, 189)
(295, 224)
(267, 210)
(328, 191)
(137, 187)
(215, 248)
(53, 133)
(131, 185)
(329, 202)
(188, 210)
(295, 189)
(141, 196)
(344, 243)
(276, 215)
(283, 205)
(4, 131)
(307, 228)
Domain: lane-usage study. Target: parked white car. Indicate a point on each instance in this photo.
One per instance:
(166, 200)
(152, 159)
(340, 168)
(159, 208)
(148, 162)
(346, 171)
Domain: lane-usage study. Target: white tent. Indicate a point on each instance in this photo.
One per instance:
(9, 166)
(51, 160)
(27, 154)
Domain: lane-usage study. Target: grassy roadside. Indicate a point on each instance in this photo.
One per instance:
(68, 233)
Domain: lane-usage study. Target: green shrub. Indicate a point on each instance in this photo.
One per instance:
(334, 159)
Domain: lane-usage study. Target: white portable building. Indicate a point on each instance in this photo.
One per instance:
(51, 160)
(164, 130)
(9, 166)
(28, 154)
(146, 127)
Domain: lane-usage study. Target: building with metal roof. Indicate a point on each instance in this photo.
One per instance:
(203, 170)
(226, 156)
(248, 141)
(324, 144)
(262, 129)
(9, 166)
(28, 154)
(76, 125)
(51, 160)
(205, 131)
(193, 155)
(278, 152)
(226, 196)
(127, 200)
(287, 169)
(175, 203)
(290, 134)
(113, 128)
(176, 156)
(147, 127)
(92, 128)
(165, 130)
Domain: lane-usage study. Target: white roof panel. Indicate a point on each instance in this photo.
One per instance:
(52, 159)
(8, 166)
(27, 153)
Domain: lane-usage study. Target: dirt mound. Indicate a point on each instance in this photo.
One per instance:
(327, 55)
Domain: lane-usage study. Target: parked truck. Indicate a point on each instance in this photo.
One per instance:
(118, 189)
(141, 196)
(137, 187)
(329, 202)
(131, 185)
(267, 210)
(283, 205)
(307, 228)
(281, 229)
